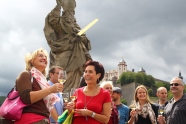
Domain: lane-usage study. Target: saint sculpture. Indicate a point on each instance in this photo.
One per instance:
(67, 49)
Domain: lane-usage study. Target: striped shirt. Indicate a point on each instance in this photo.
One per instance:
(175, 112)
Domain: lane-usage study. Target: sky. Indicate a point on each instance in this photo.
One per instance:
(145, 33)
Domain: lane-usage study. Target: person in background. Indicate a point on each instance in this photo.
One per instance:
(162, 95)
(35, 91)
(123, 110)
(58, 106)
(93, 104)
(82, 83)
(142, 110)
(114, 112)
(175, 110)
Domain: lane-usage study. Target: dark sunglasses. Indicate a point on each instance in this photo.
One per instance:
(175, 84)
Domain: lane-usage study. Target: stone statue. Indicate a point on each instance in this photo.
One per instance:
(67, 49)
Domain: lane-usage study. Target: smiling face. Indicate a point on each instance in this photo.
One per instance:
(90, 75)
(108, 87)
(141, 94)
(40, 61)
(176, 86)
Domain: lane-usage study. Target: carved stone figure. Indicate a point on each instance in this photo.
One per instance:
(67, 49)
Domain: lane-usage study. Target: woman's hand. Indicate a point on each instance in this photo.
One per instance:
(57, 87)
(83, 112)
(70, 106)
(133, 113)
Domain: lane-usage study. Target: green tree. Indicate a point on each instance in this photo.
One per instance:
(124, 101)
(150, 92)
(140, 78)
(159, 84)
(126, 78)
(149, 81)
(169, 95)
(162, 84)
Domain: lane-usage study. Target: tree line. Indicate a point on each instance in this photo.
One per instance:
(146, 80)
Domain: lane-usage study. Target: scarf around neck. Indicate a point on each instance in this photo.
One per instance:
(145, 110)
(52, 98)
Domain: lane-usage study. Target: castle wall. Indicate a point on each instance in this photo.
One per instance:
(128, 91)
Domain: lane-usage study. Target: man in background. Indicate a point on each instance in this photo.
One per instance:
(58, 107)
(162, 95)
(175, 110)
(123, 110)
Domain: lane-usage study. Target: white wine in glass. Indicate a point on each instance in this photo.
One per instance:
(73, 94)
(65, 97)
(73, 98)
(133, 107)
(161, 110)
(62, 76)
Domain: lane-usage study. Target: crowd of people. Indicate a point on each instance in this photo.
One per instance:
(95, 103)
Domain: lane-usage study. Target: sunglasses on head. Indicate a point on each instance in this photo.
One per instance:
(175, 84)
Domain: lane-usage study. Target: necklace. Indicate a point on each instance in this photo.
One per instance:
(85, 106)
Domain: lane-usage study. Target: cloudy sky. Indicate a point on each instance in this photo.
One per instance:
(146, 33)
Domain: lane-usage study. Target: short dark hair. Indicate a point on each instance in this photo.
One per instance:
(52, 69)
(98, 68)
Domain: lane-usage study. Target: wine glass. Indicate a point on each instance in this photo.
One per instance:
(161, 110)
(133, 105)
(62, 76)
(73, 94)
(65, 97)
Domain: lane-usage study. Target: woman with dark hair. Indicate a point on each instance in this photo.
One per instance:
(93, 104)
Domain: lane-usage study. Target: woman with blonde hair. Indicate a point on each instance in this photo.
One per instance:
(34, 90)
(142, 110)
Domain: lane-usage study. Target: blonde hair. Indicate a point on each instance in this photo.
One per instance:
(31, 56)
(135, 94)
(105, 83)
